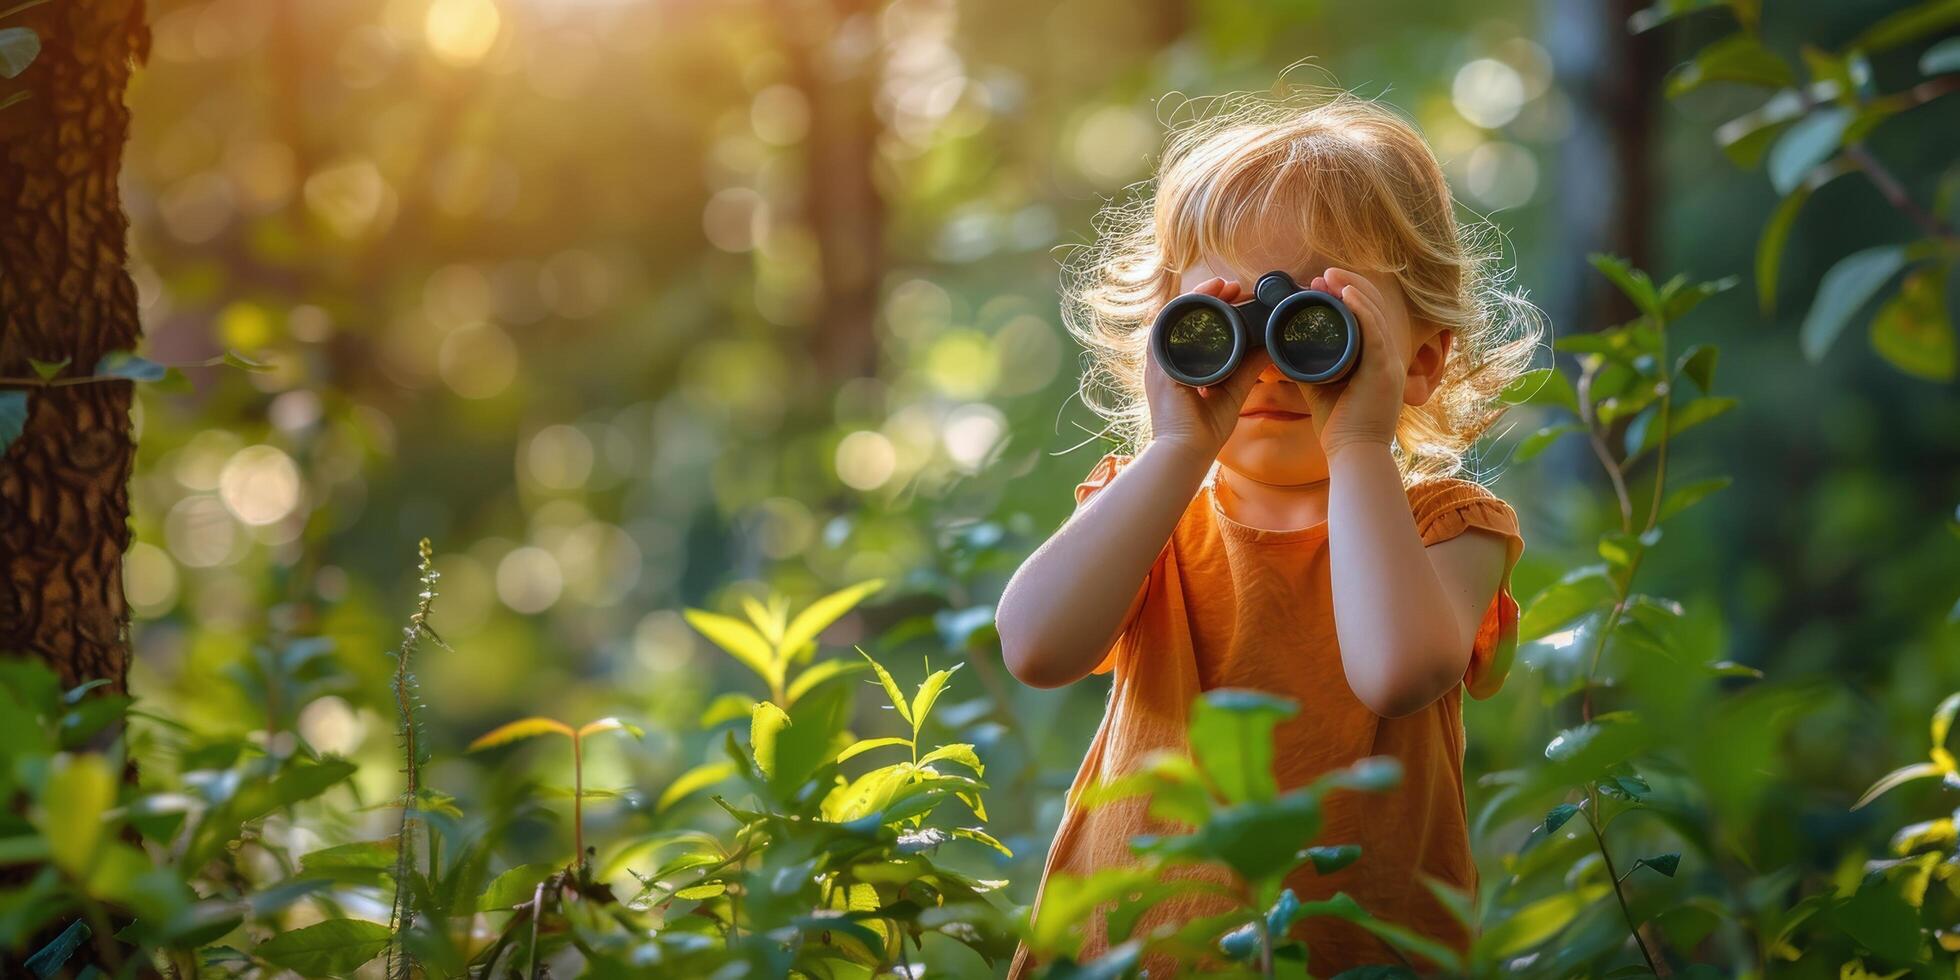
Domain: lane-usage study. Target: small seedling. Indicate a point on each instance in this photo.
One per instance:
(529, 727)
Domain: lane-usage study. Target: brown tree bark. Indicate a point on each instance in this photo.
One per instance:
(841, 200)
(65, 293)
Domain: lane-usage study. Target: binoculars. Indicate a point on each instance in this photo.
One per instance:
(1199, 339)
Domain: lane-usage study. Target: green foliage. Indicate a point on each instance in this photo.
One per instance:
(1244, 834)
(1813, 127)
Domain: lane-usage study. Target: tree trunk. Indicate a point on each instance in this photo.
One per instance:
(841, 200)
(65, 294)
(1605, 192)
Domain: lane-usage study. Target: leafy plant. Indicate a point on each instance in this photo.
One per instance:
(524, 728)
(1241, 824)
(1812, 129)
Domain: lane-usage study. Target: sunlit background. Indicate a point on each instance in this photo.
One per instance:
(634, 305)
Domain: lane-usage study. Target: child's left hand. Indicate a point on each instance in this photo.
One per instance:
(1365, 406)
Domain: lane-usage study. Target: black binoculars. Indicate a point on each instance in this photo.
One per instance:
(1199, 339)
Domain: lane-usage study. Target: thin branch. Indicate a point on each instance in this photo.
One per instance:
(1592, 795)
(1594, 436)
(1895, 193)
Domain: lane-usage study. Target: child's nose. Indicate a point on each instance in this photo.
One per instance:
(1271, 375)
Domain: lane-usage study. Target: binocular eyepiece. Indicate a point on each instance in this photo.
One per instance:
(1199, 339)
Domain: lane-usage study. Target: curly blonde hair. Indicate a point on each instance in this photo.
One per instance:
(1366, 191)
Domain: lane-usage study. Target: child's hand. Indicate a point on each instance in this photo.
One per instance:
(1364, 406)
(1201, 419)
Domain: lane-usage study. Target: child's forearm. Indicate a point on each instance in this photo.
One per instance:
(1397, 630)
(1065, 604)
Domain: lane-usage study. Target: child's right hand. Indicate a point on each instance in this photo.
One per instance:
(1201, 419)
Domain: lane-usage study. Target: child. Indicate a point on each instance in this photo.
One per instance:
(1306, 540)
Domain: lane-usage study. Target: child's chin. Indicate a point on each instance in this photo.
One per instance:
(1275, 459)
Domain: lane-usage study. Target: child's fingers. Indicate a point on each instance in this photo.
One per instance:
(1339, 277)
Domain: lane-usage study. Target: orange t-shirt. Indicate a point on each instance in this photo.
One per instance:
(1228, 605)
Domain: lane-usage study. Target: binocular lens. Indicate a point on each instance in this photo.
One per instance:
(1312, 339)
(1199, 341)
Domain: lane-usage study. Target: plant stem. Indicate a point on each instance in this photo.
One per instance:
(1598, 441)
(1895, 194)
(537, 913)
(1592, 796)
(578, 802)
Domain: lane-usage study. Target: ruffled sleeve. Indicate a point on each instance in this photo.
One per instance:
(1445, 508)
(1099, 477)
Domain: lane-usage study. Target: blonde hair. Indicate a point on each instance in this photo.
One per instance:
(1366, 190)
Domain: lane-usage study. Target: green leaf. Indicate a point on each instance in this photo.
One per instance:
(820, 673)
(1541, 386)
(237, 360)
(928, 693)
(1231, 737)
(1941, 58)
(1698, 363)
(1912, 330)
(520, 729)
(1666, 864)
(1896, 778)
(1643, 436)
(19, 46)
(1559, 815)
(1747, 137)
(13, 417)
(1740, 57)
(1908, 25)
(1881, 920)
(1660, 13)
(892, 692)
(79, 790)
(1943, 718)
(48, 369)
(1581, 591)
(738, 640)
(1769, 248)
(818, 615)
(330, 948)
(604, 725)
(1687, 496)
(1327, 860)
(1374, 774)
(1807, 143)
(1843, 289)
(696, 778)
(959, 752)
(864, 745)
(768, 620)
(361, 855)
(123, 364)
(981, 836)
(1631, 281)
(515, 887)
(766, 722)
(727, 706)
(1539, 441)
(1532, 925)
(1678, 298)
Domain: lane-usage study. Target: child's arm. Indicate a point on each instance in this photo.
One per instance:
(1406, 614)
(1070, 600)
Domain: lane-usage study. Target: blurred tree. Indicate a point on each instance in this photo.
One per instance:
(832, 60)
(66, 301)
(1606, 166)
